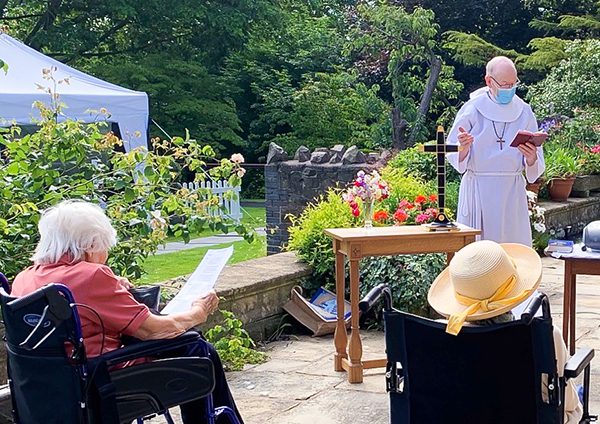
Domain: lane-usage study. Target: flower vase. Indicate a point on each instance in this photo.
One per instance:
(369, 209)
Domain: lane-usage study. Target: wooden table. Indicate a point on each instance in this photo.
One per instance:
(358, 243)
(574, 266)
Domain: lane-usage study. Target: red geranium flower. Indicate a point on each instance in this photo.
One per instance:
(420, 199)
(433, 198)
(400, 216)
(381, 216)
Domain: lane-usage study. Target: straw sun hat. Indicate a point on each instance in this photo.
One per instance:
(485, 279)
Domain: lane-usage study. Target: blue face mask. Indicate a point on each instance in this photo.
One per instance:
(505, 95)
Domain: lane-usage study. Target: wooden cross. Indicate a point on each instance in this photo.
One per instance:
(440, 148)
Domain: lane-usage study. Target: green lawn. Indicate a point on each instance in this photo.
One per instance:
(162, 267)
(252, 217)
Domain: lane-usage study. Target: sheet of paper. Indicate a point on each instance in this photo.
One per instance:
(201, 281)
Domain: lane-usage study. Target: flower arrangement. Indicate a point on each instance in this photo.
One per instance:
(365, 191)
(422, 210)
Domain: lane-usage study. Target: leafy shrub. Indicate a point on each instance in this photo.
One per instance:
(233, 343)
(589, 161)
(572, 84)
(409, 277)
(310, 242)
(421, 165)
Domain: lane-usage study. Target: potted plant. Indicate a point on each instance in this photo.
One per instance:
(561, 168)
(535, 186)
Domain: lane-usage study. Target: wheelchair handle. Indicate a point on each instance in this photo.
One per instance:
(540, 299)
(373, 297)
(4, 283)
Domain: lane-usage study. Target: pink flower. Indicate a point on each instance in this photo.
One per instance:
(596, 149)
(237, 158)
(422, 218)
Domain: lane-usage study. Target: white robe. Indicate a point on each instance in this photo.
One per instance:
(492, 194)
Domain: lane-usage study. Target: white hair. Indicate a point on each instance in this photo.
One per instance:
(490, 68)
(72, 228)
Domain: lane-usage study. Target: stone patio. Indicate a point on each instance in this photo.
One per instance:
(298, 384)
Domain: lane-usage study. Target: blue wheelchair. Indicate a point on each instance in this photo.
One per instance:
(52, 381)
(497, 374)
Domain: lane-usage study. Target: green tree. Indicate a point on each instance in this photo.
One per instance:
(387, 36)
(307, 38)
(334, 108)
(183, 94)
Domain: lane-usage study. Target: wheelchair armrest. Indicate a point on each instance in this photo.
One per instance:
(578, 362)
(146, 348)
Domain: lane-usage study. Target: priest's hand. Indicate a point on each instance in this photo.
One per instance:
(530, 152)
(465, 139)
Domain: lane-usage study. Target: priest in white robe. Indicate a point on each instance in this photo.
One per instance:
(492, 194)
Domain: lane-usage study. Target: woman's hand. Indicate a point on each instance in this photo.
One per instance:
(124, 282)
(207, 303)
(529, 151)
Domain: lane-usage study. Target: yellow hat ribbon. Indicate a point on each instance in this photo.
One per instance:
(496, 301)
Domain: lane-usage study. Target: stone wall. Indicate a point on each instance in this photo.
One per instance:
(291, 184)
(256, 290)
(569, 218)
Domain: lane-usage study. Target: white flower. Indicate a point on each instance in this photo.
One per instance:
(539, 227)
(237, 158)
(240, 172)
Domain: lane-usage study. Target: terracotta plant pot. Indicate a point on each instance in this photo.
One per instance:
(560, 188)
(534, 186)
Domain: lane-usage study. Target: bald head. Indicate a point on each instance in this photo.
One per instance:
(500, 64)
(500, 72)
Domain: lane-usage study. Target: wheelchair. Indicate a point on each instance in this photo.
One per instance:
(52, 381)
(498, 374)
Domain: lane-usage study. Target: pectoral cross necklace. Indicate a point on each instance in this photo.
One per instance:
(499, 137)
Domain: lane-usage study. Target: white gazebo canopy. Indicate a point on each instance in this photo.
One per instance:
(83, 94)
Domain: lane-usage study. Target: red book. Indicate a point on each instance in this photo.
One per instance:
(522, 137)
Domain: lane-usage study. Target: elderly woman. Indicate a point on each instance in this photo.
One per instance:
(75, 238)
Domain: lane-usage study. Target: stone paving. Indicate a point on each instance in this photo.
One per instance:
(298, 385)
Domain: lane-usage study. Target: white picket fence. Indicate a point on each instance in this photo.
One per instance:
(229, 205)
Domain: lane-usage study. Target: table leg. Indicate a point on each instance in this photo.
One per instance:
(572, 314)
(566, 301)
(340, 338)
(355, 369)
